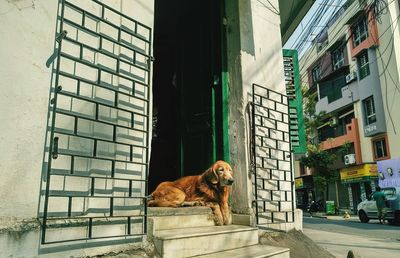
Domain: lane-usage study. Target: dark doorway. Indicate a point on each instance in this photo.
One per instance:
(356, 192)
(186, 83)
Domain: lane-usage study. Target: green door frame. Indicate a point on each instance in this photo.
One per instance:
(225, 151)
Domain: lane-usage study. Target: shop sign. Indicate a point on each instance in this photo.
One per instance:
(299, 182)
(359, 173)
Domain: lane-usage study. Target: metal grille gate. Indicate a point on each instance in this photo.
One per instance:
(97, 157)
(271, 151)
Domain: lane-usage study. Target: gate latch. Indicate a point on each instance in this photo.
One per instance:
(61, 35)
(55, 148)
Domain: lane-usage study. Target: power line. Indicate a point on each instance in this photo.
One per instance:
(378, 10)
(346, 41)
(355, 9)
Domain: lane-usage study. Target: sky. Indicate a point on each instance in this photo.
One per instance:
(331, 6)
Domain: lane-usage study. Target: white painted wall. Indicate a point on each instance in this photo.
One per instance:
(28, 30)
(365, 142)
(262, 60)
(388, 60)
(259, 61)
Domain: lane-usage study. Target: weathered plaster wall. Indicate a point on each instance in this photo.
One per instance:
(388, 61)
(254, 56)
(28, 30)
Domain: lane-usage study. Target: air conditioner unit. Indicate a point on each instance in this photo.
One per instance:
(350, 159)
(320, 46)
(351, 77)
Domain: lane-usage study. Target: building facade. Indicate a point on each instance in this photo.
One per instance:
(102, 100)
(353, 67)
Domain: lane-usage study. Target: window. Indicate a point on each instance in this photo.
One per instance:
(360, 31)
(369, 110)
(316, 73)
(337, 58)
(363, 65)
(380, 148)
(332, 88)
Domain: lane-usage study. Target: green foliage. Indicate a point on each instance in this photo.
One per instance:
(344, 149)
(316, 158)
(319, 160)
(311, 119)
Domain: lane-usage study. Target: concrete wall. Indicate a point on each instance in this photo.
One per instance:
(254, 56)
(365, 142)
(388, 62)
(370, 86)
(28, 29)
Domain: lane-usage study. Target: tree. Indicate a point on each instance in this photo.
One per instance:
(320, 161)
(316, 158)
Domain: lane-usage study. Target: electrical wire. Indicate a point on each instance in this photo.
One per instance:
(380, 8)
(345, 42)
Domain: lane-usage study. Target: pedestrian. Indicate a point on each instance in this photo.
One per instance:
(380, 199)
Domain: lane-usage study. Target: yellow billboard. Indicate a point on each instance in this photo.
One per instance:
(359, 173)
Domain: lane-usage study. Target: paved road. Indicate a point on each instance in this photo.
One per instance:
(369, 240)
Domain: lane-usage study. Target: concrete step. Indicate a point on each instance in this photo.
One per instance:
(254, 251)
(174, 218)
(203, 240)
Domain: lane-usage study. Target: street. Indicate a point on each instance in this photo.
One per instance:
(338, 236)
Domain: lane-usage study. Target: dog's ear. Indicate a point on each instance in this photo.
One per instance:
(211, 176)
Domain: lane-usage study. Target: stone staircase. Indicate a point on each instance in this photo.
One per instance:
(190, 232)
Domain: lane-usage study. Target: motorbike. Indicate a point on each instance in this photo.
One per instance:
(315, 206)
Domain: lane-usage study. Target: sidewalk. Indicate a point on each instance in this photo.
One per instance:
(331, 217)
(339, 244)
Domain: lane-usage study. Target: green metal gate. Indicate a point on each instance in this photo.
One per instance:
(98, 133)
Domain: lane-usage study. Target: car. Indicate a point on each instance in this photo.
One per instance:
(367, 210)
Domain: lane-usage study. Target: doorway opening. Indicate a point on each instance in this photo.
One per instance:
(187, 106)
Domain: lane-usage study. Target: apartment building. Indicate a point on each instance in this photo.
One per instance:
(353, 67)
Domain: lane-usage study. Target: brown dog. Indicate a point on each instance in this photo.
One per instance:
(208, 189)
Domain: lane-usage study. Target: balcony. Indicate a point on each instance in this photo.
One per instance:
(339, 97)
(351, 135)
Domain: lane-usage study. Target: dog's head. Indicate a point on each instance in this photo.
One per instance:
(219, 173)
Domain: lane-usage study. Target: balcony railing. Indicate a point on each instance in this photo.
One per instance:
(352, 135)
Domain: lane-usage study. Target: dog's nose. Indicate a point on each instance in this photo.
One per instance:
(230, 181)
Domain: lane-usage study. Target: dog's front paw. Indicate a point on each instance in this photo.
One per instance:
(228, 219)
(218, 221)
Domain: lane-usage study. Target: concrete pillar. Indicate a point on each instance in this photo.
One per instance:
(254, 53)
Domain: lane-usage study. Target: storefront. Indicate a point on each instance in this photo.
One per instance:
(304, 191)
(360, 182)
